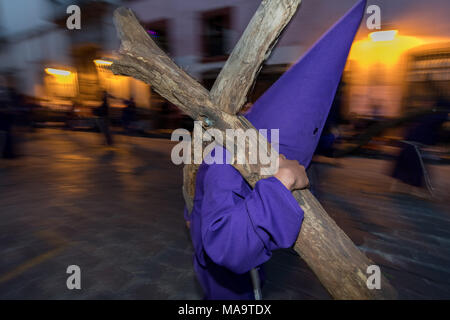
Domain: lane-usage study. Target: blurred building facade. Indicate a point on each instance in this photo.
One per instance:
(200, 34)
(55, 64)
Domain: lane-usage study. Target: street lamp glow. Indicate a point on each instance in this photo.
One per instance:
(100, 62)
(57, 72)
(387, 35)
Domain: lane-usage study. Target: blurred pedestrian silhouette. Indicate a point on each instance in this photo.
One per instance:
(71, 115)
(409, 167)
(102, 113)
(129, 115)
(9, 99)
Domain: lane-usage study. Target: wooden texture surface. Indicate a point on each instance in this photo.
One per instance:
(231, 87)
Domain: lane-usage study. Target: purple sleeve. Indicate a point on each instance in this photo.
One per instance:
(238, 232)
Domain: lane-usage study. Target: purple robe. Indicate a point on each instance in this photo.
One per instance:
(235, 228)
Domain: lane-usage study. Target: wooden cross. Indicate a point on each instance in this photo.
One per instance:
(328, 251)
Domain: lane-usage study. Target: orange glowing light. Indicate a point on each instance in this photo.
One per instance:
(57, 72)
(383, 47)
(387, 35)
(100, 62)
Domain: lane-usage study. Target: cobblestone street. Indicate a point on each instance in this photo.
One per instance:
(117, 212)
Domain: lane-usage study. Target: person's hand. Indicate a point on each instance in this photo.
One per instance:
(291, 174)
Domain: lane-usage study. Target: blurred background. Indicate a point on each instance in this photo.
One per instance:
(60, 75)
(85, 167)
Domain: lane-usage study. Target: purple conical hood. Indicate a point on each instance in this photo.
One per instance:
(299, 102)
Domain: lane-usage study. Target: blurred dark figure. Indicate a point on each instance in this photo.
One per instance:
(30, 104)
(129, 115)
(71, 115)
(102, 113)
(409, 167)
(9, 100)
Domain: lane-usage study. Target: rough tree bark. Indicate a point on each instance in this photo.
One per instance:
(333, 257)
(229, 91)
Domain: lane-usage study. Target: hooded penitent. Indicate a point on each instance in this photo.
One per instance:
(235, 228)
(299, 102)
